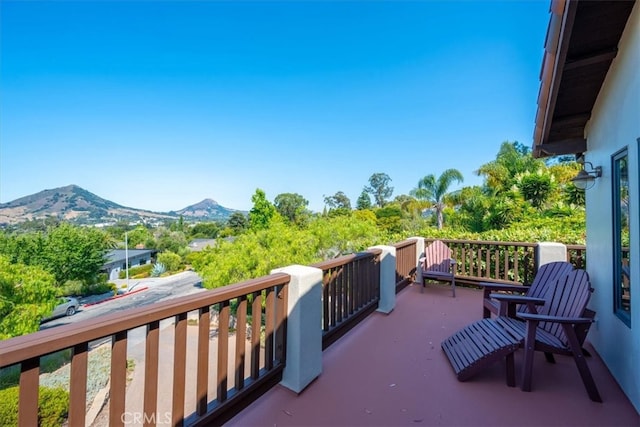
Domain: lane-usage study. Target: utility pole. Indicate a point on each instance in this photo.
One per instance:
(126, 255)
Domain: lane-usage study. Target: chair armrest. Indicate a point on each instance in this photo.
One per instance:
(518, 299)
(554, 319)
(453, 261)
(508, 303)
(497, 287)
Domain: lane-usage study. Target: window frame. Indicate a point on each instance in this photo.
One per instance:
(616, 184)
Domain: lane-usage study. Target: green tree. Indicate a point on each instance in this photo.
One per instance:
(536, 187)
(171, 261)
(75, 253)
(436, 190)
(339, 204)
(27, 294)
(238, 223)
(379, 188)
(172, 241)
(512, 159)
(262, 212)
(140, 235)
(205, 230)
(364, 201)
(292, 207)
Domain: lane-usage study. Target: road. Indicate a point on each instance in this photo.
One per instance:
(157, 289)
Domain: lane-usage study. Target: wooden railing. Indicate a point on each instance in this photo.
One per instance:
(252, 359)
(500, 262)
(350, 292)
(577, 255)
(405, 263)
(263, 299)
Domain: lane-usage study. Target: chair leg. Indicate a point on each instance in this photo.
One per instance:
(581, 363)
(511, 371)
(453, 287)
(529, 351)
(550, 358)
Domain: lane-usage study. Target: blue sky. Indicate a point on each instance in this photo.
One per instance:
(158, 105)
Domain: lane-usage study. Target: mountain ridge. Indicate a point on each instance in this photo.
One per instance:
(75, 204)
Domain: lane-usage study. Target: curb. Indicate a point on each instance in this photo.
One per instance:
(116, 297)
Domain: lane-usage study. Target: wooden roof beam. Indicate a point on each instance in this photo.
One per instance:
(592, 59)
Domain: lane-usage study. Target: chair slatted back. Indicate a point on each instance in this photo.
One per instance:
(547, 273)
(437, 257)
(567, 297)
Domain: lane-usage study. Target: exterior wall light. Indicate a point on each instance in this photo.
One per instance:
(586, 178)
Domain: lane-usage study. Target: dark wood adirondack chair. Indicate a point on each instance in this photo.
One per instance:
(558, 327)
(437, 264)
(547, 273)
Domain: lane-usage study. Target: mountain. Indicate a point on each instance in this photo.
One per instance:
(208, 208)
(77, 205)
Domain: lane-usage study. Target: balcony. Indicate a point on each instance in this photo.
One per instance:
(218, 356)
(389, 370)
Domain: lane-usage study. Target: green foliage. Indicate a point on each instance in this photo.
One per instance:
(364, 201)
(338, 201)
(74, 253)
(257, 253)
(53, 406)
(173, 241)
(292, 207)
(536, 187)
(238, 223)
(379, 188)
(389, 218)
(141, 236)
(435, 191)
(27, 294)
(158, 269)
(205, 230)
(172, 262)
(262, 212)
(137, 272)
(513, 158)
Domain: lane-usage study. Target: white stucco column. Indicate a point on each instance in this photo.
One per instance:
(547, 252)
(419, 254)
(387, 278)
(304, 327)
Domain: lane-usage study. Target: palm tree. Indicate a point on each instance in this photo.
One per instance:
(436, 190)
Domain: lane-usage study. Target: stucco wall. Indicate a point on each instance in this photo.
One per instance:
(615, 124)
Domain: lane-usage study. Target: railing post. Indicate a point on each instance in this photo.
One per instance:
(547, 252)
(419, 254)
(304, 331)
(387, 300)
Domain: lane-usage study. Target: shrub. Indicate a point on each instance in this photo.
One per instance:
(172, 261)
(53, 406)
(99, 288)
(72, 287)
(137, 272)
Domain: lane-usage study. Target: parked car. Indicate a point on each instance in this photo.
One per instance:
(67, 307)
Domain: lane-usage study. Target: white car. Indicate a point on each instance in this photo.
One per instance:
(67, 307)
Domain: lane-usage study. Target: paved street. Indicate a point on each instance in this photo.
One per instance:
(157, 289)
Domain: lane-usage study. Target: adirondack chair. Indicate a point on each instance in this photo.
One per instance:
(437, 264)
(547, 273)
(557, 328)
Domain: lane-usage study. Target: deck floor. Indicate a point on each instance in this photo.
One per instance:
(391, 371)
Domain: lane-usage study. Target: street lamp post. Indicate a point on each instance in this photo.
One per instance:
(126, 256)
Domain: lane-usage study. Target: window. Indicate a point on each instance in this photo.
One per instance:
(621, 268)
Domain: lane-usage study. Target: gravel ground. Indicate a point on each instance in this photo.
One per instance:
(98, 369)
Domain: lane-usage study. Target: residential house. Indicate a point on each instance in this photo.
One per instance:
(589, 105)
(117, 260)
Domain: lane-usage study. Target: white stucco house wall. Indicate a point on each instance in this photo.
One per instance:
(602, 122)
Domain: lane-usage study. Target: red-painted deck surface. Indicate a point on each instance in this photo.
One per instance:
(390, 370)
